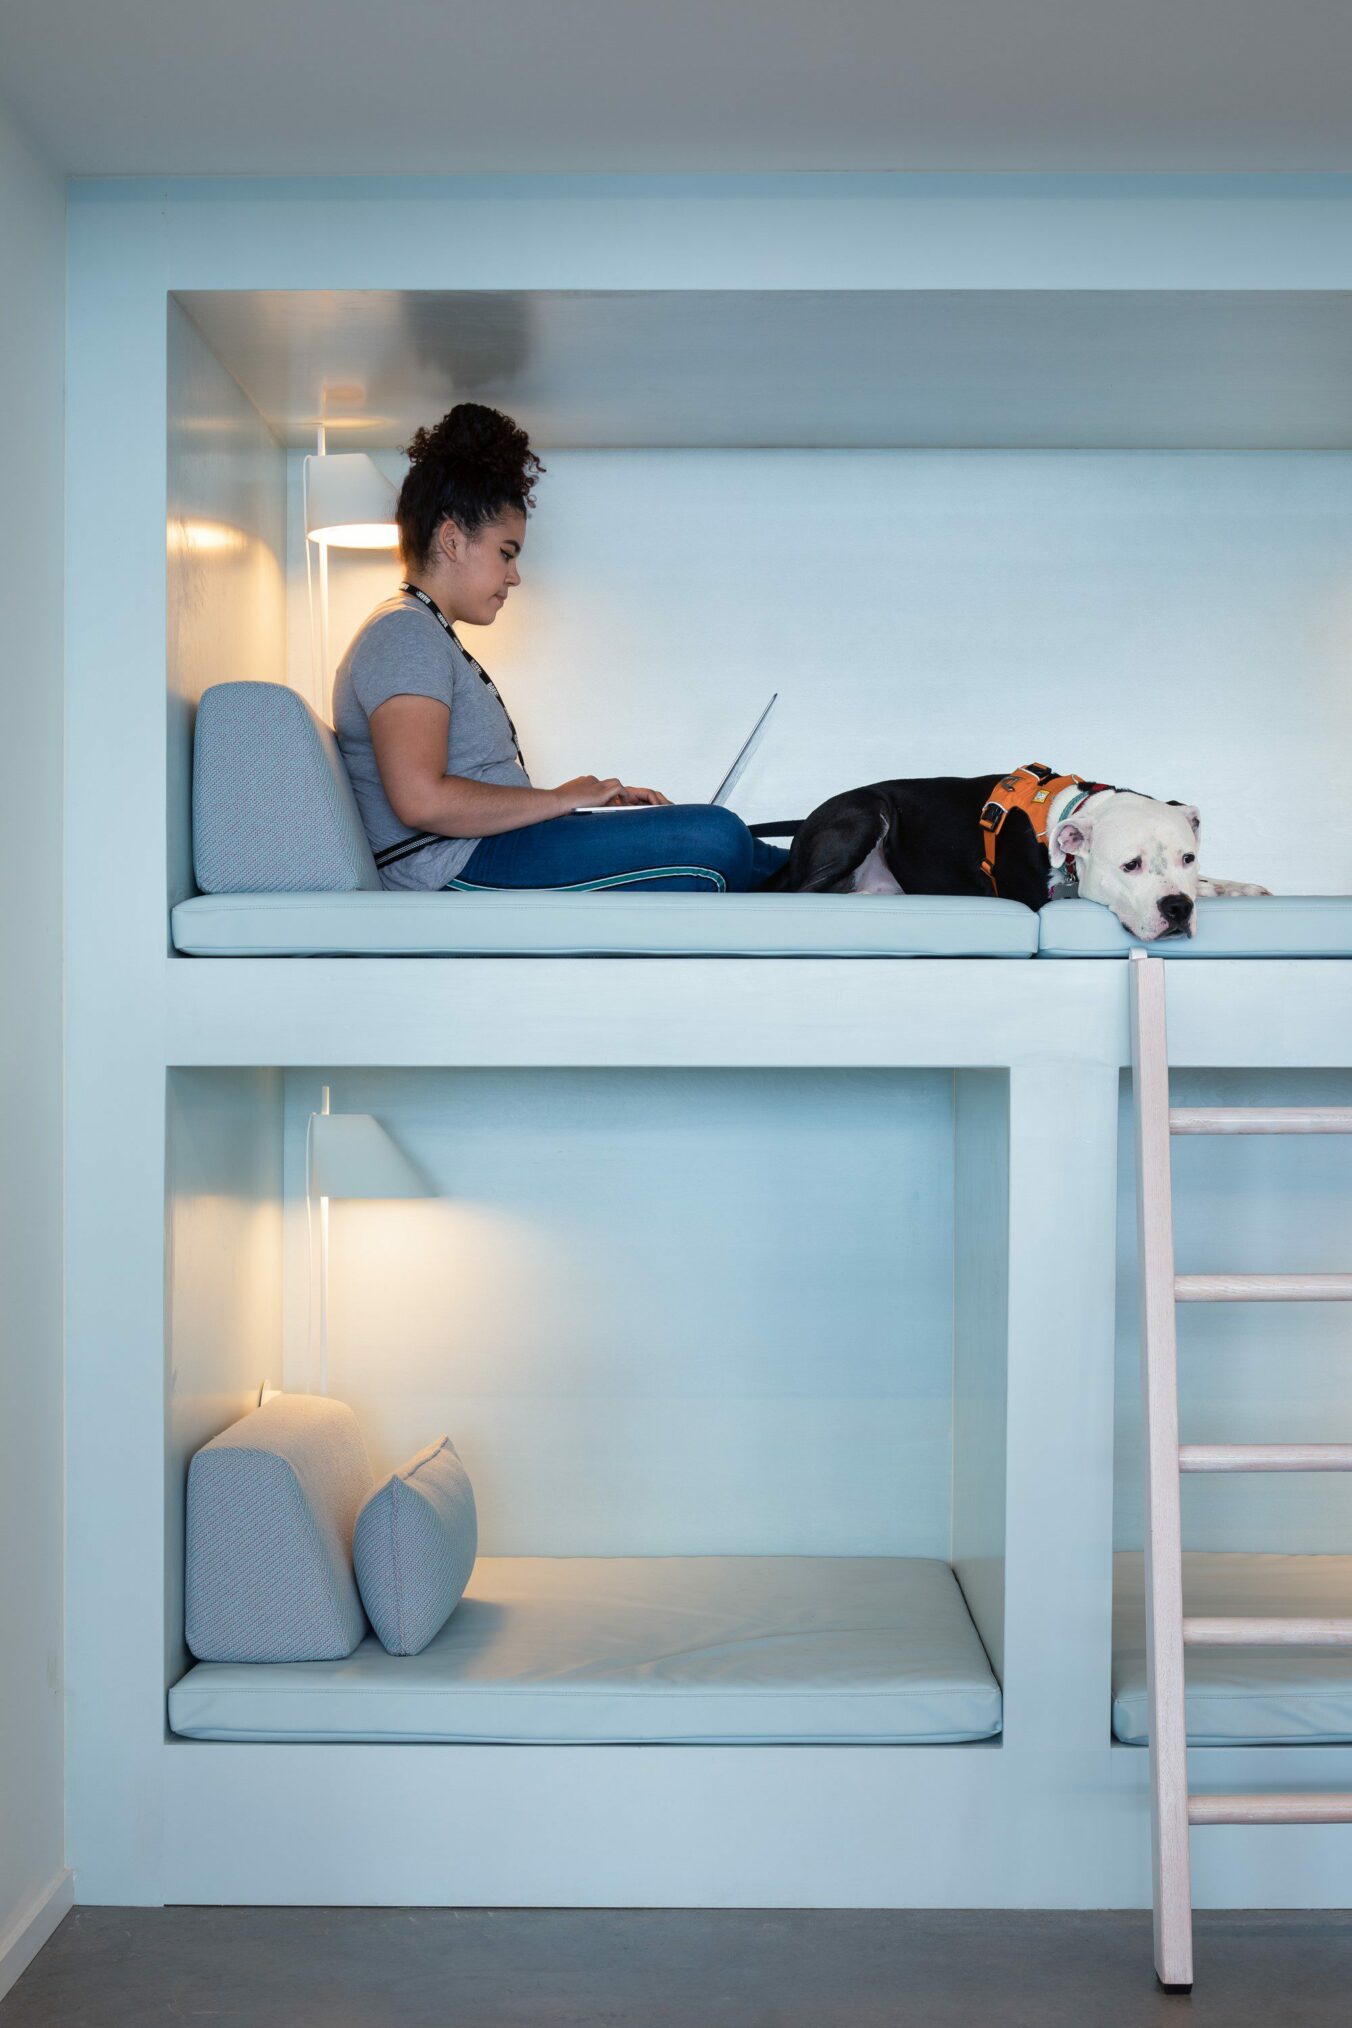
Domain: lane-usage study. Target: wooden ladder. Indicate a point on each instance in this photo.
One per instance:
(1168, 1631)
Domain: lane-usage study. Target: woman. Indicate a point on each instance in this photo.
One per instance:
(433, 756)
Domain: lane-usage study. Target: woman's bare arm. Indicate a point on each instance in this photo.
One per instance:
(409, 736)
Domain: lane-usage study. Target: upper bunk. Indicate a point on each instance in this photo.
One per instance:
(957, 525)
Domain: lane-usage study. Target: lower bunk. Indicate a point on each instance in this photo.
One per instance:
(747, 1650)
(710, 1650)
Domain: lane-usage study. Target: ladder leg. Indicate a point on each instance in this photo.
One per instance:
(1163, 1532)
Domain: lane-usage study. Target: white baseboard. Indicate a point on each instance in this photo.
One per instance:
(20, 1944)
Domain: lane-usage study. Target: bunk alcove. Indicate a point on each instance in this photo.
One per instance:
(756, 1504)
(704, 414)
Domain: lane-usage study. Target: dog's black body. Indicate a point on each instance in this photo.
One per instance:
(930, 836)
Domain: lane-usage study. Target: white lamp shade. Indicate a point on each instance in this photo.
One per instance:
(351, 1155)
(349, 503)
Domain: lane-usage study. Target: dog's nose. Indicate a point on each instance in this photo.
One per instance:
(1175, 908)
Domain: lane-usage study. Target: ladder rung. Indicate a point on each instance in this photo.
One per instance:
(1274, 1809)
(1265, 1457)
(1263, 1288)
(1260, 1119)
(1214, 1632)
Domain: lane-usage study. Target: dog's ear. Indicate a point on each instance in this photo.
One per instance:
(1072, 836)
(1191, 812)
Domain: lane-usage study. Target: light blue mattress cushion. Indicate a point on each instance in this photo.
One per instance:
(272, 807)
(1242, 1696)
(271, 1506)
(627, 1649)
(1239, 926)
(567, 925)
(414, 1546)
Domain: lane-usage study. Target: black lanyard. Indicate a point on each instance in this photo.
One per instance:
(426, 599)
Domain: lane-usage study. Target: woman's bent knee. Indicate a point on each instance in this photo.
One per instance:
(707, 835)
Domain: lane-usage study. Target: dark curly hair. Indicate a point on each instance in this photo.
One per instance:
(469, 466)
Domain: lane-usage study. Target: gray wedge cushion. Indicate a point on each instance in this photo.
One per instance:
(272, 1502)
(414, 1548)
(272, 808)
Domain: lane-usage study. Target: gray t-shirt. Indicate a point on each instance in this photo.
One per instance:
(402, 650)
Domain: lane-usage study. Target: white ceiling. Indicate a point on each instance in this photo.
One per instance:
(1017, 369)
(332, 87)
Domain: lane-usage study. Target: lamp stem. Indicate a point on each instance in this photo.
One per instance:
(323, 1266)
(319, 1256)
(323, 1295)
(324, 630)
(312, 642)
(323, 705)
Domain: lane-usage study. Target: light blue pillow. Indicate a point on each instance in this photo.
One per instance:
(272, 807)
(414, 1547)
(271, 1506)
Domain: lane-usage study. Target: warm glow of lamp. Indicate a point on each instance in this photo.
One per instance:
(349, 503)
(349, 1155)
(206, 538)
(357, 535)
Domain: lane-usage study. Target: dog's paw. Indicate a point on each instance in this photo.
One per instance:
(1210, 889)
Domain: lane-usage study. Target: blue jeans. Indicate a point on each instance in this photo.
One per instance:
(689, 848)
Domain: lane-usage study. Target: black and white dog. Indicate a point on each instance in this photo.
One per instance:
(1135, 855)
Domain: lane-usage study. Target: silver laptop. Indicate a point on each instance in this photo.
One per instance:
(720, 794)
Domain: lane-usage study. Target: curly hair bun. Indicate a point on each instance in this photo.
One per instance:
(474, 434)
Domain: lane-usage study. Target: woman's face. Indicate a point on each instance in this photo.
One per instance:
(483, 566)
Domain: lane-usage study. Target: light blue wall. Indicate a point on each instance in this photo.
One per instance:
(225, 611)
(662, 1312)
(32, 327)
(981, 1231)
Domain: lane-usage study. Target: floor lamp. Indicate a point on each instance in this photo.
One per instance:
(348, 504)
(346, 1155)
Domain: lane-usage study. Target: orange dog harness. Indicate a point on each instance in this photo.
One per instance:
(1032, 789)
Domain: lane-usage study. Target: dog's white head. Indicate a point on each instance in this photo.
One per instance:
(1138, 857)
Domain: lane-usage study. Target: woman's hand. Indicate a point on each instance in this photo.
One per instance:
(585, 789)
(590, 791)
(654, 796)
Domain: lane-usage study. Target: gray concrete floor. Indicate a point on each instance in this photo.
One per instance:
(569, 1968)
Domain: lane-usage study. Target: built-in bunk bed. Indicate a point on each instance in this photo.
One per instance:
(1005, 1661)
